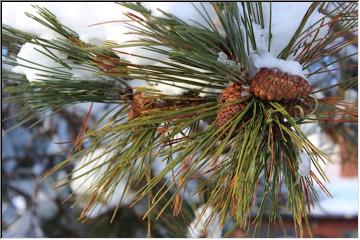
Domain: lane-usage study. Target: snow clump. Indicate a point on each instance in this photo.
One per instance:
(84, 180)
(202, 227)
(31, 62)
(305, 164)
(269, 61)
(285, 20)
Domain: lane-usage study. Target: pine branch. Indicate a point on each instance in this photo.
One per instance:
(262, 140)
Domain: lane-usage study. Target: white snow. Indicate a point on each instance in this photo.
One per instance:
(54, 147)
(285, 19)
(97, 210)
(166, 87)
(127, 51)
(209, 92)
(172, 88)
(85, 180)
(202, 227)
(186, 12)
(79, 73)
(179, 88)
(68, 14)
(91, 13)
(269, 61)
(136, 83)
(28, 51)
(13, 14)
(222, 57)
(183, 10)
(305, 164)
(25, 226)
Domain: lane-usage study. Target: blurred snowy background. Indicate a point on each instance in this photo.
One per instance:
(31, 208)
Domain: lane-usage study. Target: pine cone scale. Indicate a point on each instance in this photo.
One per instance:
(272, 84)
(232, 93)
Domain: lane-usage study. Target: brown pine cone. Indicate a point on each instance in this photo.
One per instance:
(272, 84)
(225, 113)
(233, 92)
(308, 105)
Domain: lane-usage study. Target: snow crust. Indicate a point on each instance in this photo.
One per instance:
(269, 61)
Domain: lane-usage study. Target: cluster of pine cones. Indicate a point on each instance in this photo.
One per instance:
(270, 85)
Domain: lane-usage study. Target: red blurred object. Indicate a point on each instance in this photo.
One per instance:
(322, 227)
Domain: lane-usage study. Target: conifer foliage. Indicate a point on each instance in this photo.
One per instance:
(236, 122)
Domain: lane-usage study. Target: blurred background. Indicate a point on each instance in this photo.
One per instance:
(32, 208)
